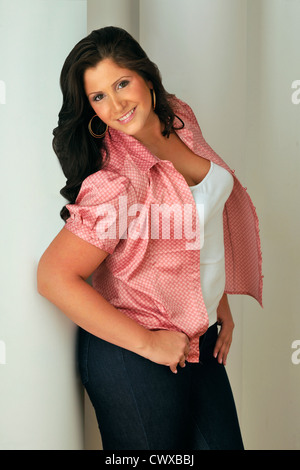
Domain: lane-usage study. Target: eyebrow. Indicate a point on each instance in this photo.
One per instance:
(113, 84)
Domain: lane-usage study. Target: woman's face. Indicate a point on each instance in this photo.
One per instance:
(120, 97)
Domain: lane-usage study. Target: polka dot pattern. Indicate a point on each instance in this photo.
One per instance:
(141, 211)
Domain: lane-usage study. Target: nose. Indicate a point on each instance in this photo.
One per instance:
(117, 104)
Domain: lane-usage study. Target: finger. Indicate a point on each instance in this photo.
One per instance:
(222, 357)
(217, 348)
(182, 363)
(221, 351)
(173, 368)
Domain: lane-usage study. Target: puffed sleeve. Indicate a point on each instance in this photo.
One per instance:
(99, 215)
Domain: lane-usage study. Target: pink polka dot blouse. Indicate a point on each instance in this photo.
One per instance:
(141, 211)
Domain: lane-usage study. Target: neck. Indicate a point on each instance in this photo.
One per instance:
(151, 136)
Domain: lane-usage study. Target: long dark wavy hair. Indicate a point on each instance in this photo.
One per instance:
(78, 152)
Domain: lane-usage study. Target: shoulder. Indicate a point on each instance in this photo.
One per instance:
(105, 184)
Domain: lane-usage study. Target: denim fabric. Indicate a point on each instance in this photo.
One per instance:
(142, 405)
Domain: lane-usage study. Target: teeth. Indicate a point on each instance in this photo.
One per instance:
(126, 115)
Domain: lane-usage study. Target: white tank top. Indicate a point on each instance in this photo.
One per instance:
(210, 196)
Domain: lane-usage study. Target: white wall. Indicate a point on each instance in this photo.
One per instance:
(41, 401)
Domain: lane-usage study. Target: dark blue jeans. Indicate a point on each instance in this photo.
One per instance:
(142, 405)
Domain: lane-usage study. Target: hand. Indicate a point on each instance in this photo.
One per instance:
(224, 340)
(168, 348)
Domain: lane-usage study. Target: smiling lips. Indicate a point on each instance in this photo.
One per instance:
(127, 117)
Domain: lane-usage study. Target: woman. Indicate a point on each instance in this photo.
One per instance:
(147, 194)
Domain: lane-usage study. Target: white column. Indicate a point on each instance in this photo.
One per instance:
(122, 13)
(271, 386)
(41, 400)
(199, 47)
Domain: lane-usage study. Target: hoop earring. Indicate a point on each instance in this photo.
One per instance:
(97, 136)
(154, 99)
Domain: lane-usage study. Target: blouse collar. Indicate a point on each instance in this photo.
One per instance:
(141, 156)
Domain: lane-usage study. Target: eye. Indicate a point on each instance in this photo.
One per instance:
(98, 97)
(122, 84)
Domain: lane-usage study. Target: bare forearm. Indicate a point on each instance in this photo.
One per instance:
(88, 309)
